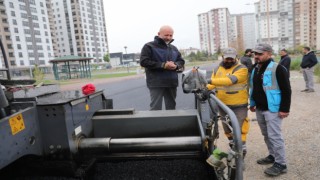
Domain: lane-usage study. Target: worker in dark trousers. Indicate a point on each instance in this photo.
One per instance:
(308, 62)
(162, 61)
(285, 60)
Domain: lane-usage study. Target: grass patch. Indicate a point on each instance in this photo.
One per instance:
(295, 63)
(317, 72)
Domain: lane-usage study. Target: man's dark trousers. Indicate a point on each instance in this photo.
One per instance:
(157, 94)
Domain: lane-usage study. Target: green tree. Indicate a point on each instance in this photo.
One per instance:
(106, 58)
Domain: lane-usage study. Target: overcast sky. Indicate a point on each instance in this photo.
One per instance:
(132, 23)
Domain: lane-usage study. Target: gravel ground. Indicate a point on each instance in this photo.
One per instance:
(301, 133)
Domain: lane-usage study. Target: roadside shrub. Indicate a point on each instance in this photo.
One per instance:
(317, 72)
(295, 63)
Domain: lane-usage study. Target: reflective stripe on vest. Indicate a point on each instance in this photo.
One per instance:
(236, 87)
(274, 78)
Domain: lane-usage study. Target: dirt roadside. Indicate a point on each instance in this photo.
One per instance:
(301, 133)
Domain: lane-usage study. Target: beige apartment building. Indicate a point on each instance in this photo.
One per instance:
(214, 30)
(307, 23)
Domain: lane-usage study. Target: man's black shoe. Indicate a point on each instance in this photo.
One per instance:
(267, 160)
(305, 90)
(276, 169)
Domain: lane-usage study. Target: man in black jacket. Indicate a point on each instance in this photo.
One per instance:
(285, 60)
(270, 98)
(161, 61)
(246, 60)
(308, 62)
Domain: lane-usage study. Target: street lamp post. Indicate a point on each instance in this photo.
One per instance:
(268, 21)
(125, 49)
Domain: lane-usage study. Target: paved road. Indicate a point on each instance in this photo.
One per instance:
(133, 93)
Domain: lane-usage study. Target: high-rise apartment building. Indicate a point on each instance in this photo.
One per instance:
(218, 29)
(245, 31)
(25, 32)
(307, 17)
(214, 27)
(80, 28)
(275, 23)
(36, 31)
(5, 34)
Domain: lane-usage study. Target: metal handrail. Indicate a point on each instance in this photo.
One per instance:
(236, 134)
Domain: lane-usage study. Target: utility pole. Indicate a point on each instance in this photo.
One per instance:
(268, 21)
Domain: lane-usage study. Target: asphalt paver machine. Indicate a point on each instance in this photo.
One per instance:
(49, 132)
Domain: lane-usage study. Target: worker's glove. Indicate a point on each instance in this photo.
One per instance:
(203, 94)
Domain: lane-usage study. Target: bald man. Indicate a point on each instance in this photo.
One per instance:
(161, 61)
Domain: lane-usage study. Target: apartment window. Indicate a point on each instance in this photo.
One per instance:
(42, 11)
(22, 7)
(25, 23)
(41, 4)
(45, 26)
(34, 17)
(24, 15)
(14, 21)
(20, 54)
(19, 46)
(27, 31)
(12, 63)
(43, 19)
(17, 38)
(36, 32)
(32, 2)
(11, 54)
(31, 54)
(32, 9)
(21, 63)
(11, 4)
(13, 13)
(36, 25)
(4, 21)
